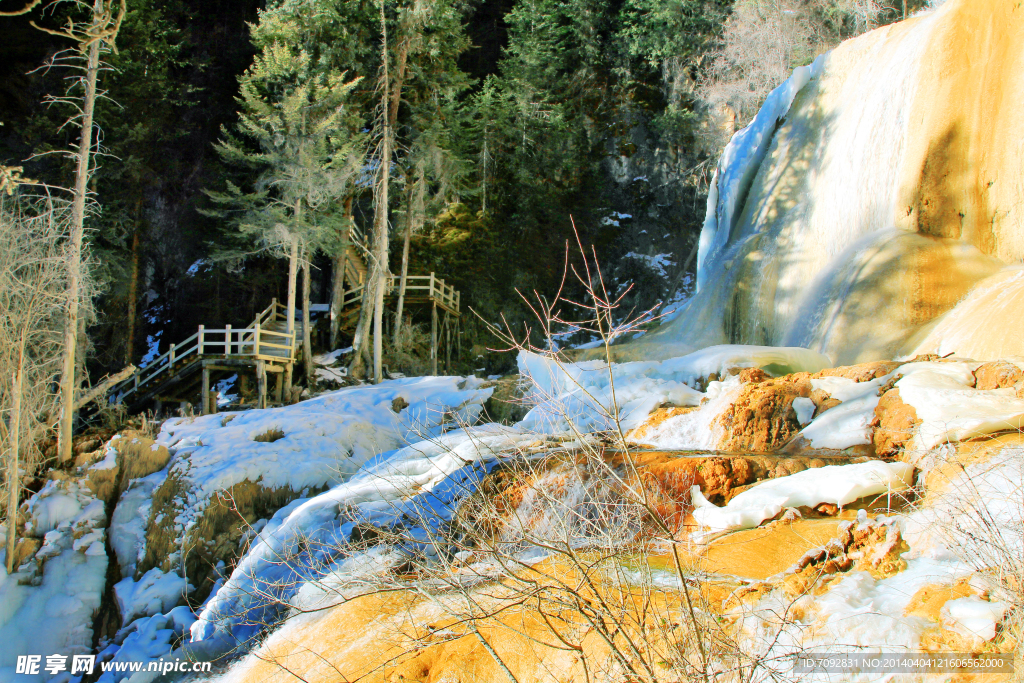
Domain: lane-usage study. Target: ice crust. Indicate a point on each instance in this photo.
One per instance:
(950, 409)
(835, 484)
(973, 617)
(578, 397)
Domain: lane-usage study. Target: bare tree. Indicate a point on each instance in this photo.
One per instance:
(29, 6)
(558, 542)
(105, 17)
(34, 268)
(391, 86)
(765, 40)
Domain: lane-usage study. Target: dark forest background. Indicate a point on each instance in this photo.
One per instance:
(606, 114)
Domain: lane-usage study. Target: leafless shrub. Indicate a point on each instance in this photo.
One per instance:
(980, 518)
(556, 543)
(33, 280)
(765, 40)
(408, 350)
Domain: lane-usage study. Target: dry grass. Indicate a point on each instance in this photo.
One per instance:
(270, 436)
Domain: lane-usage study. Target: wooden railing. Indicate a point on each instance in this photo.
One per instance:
(420, 287)
(253, 342)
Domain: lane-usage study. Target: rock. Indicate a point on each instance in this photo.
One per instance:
(997, 375)
(86, 445)
(894, 424)
(862, 372)
(826, 404)
(26, 550)
(753, 375)
(506, 404)
(86, 459)
(762, 419)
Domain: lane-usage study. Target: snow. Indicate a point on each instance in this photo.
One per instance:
(836, 484)
(849, 423)
(804, 409)
(54, 504)
(47, 605)
(307, 540)
(128, 523)
(146, 640)
(739, 163)
(331, 357)
(155, 592)
(326, 438)
(970, 527)
(696, 430)
(579, 395)
(973, 617)
(950, 409)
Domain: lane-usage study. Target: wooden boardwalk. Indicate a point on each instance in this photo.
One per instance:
(267, 345)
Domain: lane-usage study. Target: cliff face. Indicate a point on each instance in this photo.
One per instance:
(871, 194)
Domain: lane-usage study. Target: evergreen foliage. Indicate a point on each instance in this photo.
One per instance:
(512, 120)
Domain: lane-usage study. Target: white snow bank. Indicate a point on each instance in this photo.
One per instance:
(804, 409)
(836, 484)
(849, 423)
(950, 409)
(147, 640)
(128, 523)
(739, 164)
(579, 396)
(155, 592)
(47, 605)
(325, 439)
(973, 617)
(307, 540)
(699, 429)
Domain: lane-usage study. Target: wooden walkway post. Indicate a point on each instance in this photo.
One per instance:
(227, 340)
(206, 386)
(433, 333)
(261, 379)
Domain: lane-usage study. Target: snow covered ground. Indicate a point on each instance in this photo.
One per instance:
(47, 605)
(402, 452)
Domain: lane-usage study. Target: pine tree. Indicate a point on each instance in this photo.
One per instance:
(294, 106)
(420, 45)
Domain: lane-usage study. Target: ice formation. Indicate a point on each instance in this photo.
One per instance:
(836, 484)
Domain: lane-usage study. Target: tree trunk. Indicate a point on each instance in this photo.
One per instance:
(13, 480)
(307, 346)
(391, 97)
(405, 264)
(380, 249)
(293, 270)
(133, 295)
(67, 381)
(338, 277)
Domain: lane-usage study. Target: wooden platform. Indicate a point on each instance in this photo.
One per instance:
(265, 346)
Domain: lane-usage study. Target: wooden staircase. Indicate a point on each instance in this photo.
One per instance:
(267, 345)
